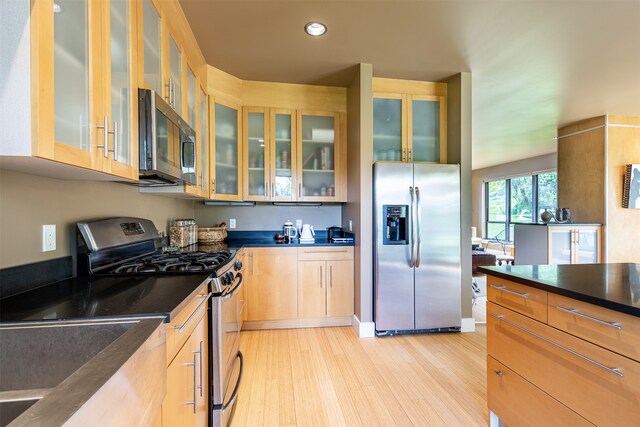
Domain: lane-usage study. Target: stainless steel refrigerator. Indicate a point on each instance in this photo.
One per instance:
(416, 247)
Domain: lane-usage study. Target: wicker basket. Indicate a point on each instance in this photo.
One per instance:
(211, 234)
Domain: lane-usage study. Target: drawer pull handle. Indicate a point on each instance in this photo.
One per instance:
(499, 373)
(616, 371)
(504, 289)
(575, 311)
(180, 328)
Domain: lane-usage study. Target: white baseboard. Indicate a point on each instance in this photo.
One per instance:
(363, 329)
(468, 324)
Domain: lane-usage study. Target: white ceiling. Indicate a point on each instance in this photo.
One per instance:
(535, 65)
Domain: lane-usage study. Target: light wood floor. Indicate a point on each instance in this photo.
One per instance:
(330, 377)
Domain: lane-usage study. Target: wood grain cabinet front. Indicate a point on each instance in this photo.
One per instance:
(325, 282)
(524, 299)
(600, 385)
(271, 291)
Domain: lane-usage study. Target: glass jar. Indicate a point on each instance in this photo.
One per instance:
(183, 232)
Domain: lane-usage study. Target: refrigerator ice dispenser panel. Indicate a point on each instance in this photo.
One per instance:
(395, 232)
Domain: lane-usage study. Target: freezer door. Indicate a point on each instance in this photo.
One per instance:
(393, 275)
(437, 273)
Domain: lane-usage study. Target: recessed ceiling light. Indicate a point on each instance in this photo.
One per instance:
(315, 29)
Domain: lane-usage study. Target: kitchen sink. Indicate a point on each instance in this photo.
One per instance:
(63, 372)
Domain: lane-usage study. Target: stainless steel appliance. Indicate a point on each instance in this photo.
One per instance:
(417, 247)
(167, 143)
(129, 247)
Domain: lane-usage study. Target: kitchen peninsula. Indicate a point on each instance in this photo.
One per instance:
(563, 344)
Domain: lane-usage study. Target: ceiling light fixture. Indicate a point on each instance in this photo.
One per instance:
(315, 28)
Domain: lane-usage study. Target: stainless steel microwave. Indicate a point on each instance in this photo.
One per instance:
(167, 143)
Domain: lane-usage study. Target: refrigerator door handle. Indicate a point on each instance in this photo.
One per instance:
(412, 261)
(418, 214)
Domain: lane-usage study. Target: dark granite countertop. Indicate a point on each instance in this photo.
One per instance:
(613, 286)
(553, 223)
(239, 239)
(108, 297)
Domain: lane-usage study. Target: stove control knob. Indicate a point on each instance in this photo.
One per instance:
(238, 265)
(223, 280)
(230, 277)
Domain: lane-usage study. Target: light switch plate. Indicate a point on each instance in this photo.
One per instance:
(350, 225)
(48, 237)
(232, 223)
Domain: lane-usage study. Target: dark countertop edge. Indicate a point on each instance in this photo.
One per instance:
(612, 305)
(240, 243)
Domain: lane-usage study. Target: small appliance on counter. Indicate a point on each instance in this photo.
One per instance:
(290, 232)
(338, 235)
(307, 235)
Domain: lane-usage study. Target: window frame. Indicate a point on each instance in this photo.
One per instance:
(508, 222)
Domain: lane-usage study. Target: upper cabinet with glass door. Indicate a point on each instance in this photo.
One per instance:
(269, 154)
(409, 121)
(226, 157)
(85, 78)
(152, 46)
(317, 156)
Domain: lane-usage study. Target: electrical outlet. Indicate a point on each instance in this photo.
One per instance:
(232, 223)
(299, 224)
(350, 226)
(48, 237)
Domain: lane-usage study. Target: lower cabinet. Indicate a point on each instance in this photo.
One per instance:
(187, 376)
(325, 287)
(271, 291)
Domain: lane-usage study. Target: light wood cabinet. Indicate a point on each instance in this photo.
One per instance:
(578, 368)
(187, 377)
(325, 282)
(409, 121)
(226, 153)
(271, 291)
(269, 151)
(83, 79)
(557, 244)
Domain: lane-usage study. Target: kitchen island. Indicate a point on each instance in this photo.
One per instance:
(563, 344)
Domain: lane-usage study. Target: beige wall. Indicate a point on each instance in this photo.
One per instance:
(459, 151)
(358, 208)
(27, 202)
(521, 167)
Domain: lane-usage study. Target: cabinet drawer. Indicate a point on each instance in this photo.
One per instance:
(176, 337)
(610, 329)
(598, 384)
(524, 299)
(519, 403)
(325, 253)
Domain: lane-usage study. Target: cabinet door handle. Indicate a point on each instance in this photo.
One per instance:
(115, 140)
(252, 263)
(195, 380)
(299, 190)
(273, 193)
(199, 352)
(105, 137)
(180, 328)
(404, 154)
(409, 158)
(575, 311)
(504, 289)
(320, 281)
(213, 185)
(499, 373)
(615, 371)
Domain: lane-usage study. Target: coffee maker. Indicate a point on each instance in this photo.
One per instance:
(290, 232)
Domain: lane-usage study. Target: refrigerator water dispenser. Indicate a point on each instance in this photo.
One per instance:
(395, 232)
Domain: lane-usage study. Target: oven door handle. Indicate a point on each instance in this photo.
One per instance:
(234, 395)
(180, 328)
(228, 294)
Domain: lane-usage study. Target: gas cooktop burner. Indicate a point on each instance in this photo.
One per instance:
(174, 262)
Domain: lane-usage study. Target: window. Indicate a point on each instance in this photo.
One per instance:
(523, 197)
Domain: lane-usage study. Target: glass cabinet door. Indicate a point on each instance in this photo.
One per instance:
(387, 129)
(175, 76)
(256, 143)
(317, 157)
(586, 246)
(204, 142)
(283, 155)
(227, 160)
(561, 238)
(425, 130)
(152, 62)
(121, 88)
(191, 98)
(71, 76)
